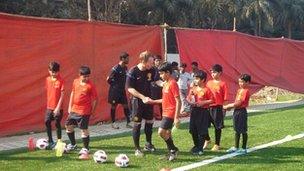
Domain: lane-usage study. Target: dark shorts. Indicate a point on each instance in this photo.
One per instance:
(82, 121)
(117, 96)
(140, 110)
(199, 121)
(240, 120)
(217, 117)
(166, 123)
(49, 116)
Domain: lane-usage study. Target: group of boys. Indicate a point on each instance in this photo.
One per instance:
(206, 102)
(83, 100)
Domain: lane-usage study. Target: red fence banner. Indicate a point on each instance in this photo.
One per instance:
(28, 44)
(270, 62)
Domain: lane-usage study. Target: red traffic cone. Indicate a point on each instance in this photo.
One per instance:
(31, 144)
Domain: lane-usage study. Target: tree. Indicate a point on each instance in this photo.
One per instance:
(290, 14)
(259, 13)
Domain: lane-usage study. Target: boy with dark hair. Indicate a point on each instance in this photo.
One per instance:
(139, 81)
(220, 94)
(240, 114)
(171, 104)
(200, 97)
(82, 105)
(194, 67)
(55, 92)
(175, 70)
(117, 93)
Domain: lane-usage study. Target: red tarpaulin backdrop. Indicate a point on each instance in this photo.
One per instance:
(27, 45)
(276, 62)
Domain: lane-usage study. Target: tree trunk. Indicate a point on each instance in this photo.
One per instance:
(106, 10)
(260, 25)
(289, 29)
(234, 23)
(163, 15)
(256, 27)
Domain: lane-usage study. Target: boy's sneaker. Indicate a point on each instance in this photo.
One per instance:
(206, 144)
(51, 146)
(70, 147)
(242, 151)
(197, 152)
(114, 126)
(139, 153)
(215, 148)
(193, 149)
(173, 154)
(232, 150)
(149, 147)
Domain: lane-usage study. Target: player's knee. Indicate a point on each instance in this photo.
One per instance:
(168, 133)
(85, 133)
(161, 133)
(69, 128)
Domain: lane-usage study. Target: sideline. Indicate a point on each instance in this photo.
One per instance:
(227, 156)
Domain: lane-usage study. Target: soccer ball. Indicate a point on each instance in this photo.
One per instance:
(100, 156)
(122, 160)
(42, 143)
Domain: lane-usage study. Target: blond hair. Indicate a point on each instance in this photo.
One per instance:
(144, 56)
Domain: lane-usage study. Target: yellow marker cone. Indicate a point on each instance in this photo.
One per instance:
(59, 148)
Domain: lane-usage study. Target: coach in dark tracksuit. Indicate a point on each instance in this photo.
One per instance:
(117, 93)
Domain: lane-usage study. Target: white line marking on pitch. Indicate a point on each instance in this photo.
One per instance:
(227, 156)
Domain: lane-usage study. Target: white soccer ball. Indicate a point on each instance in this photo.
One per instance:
(100, 156)
(122, 160)
(42, 143)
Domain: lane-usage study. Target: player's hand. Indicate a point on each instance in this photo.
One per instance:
(227, 108)
(198, 104)
(147, 100)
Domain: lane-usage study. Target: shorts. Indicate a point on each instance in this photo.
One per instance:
(199, 121)
(217, 117)
(240, 120)
(140, 110)
(82, 121)
(117, 96)
(166, 123)
(49, 115)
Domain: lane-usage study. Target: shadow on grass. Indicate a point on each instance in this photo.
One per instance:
(269, 156)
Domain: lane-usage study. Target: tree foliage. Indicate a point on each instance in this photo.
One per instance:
(268, 18)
